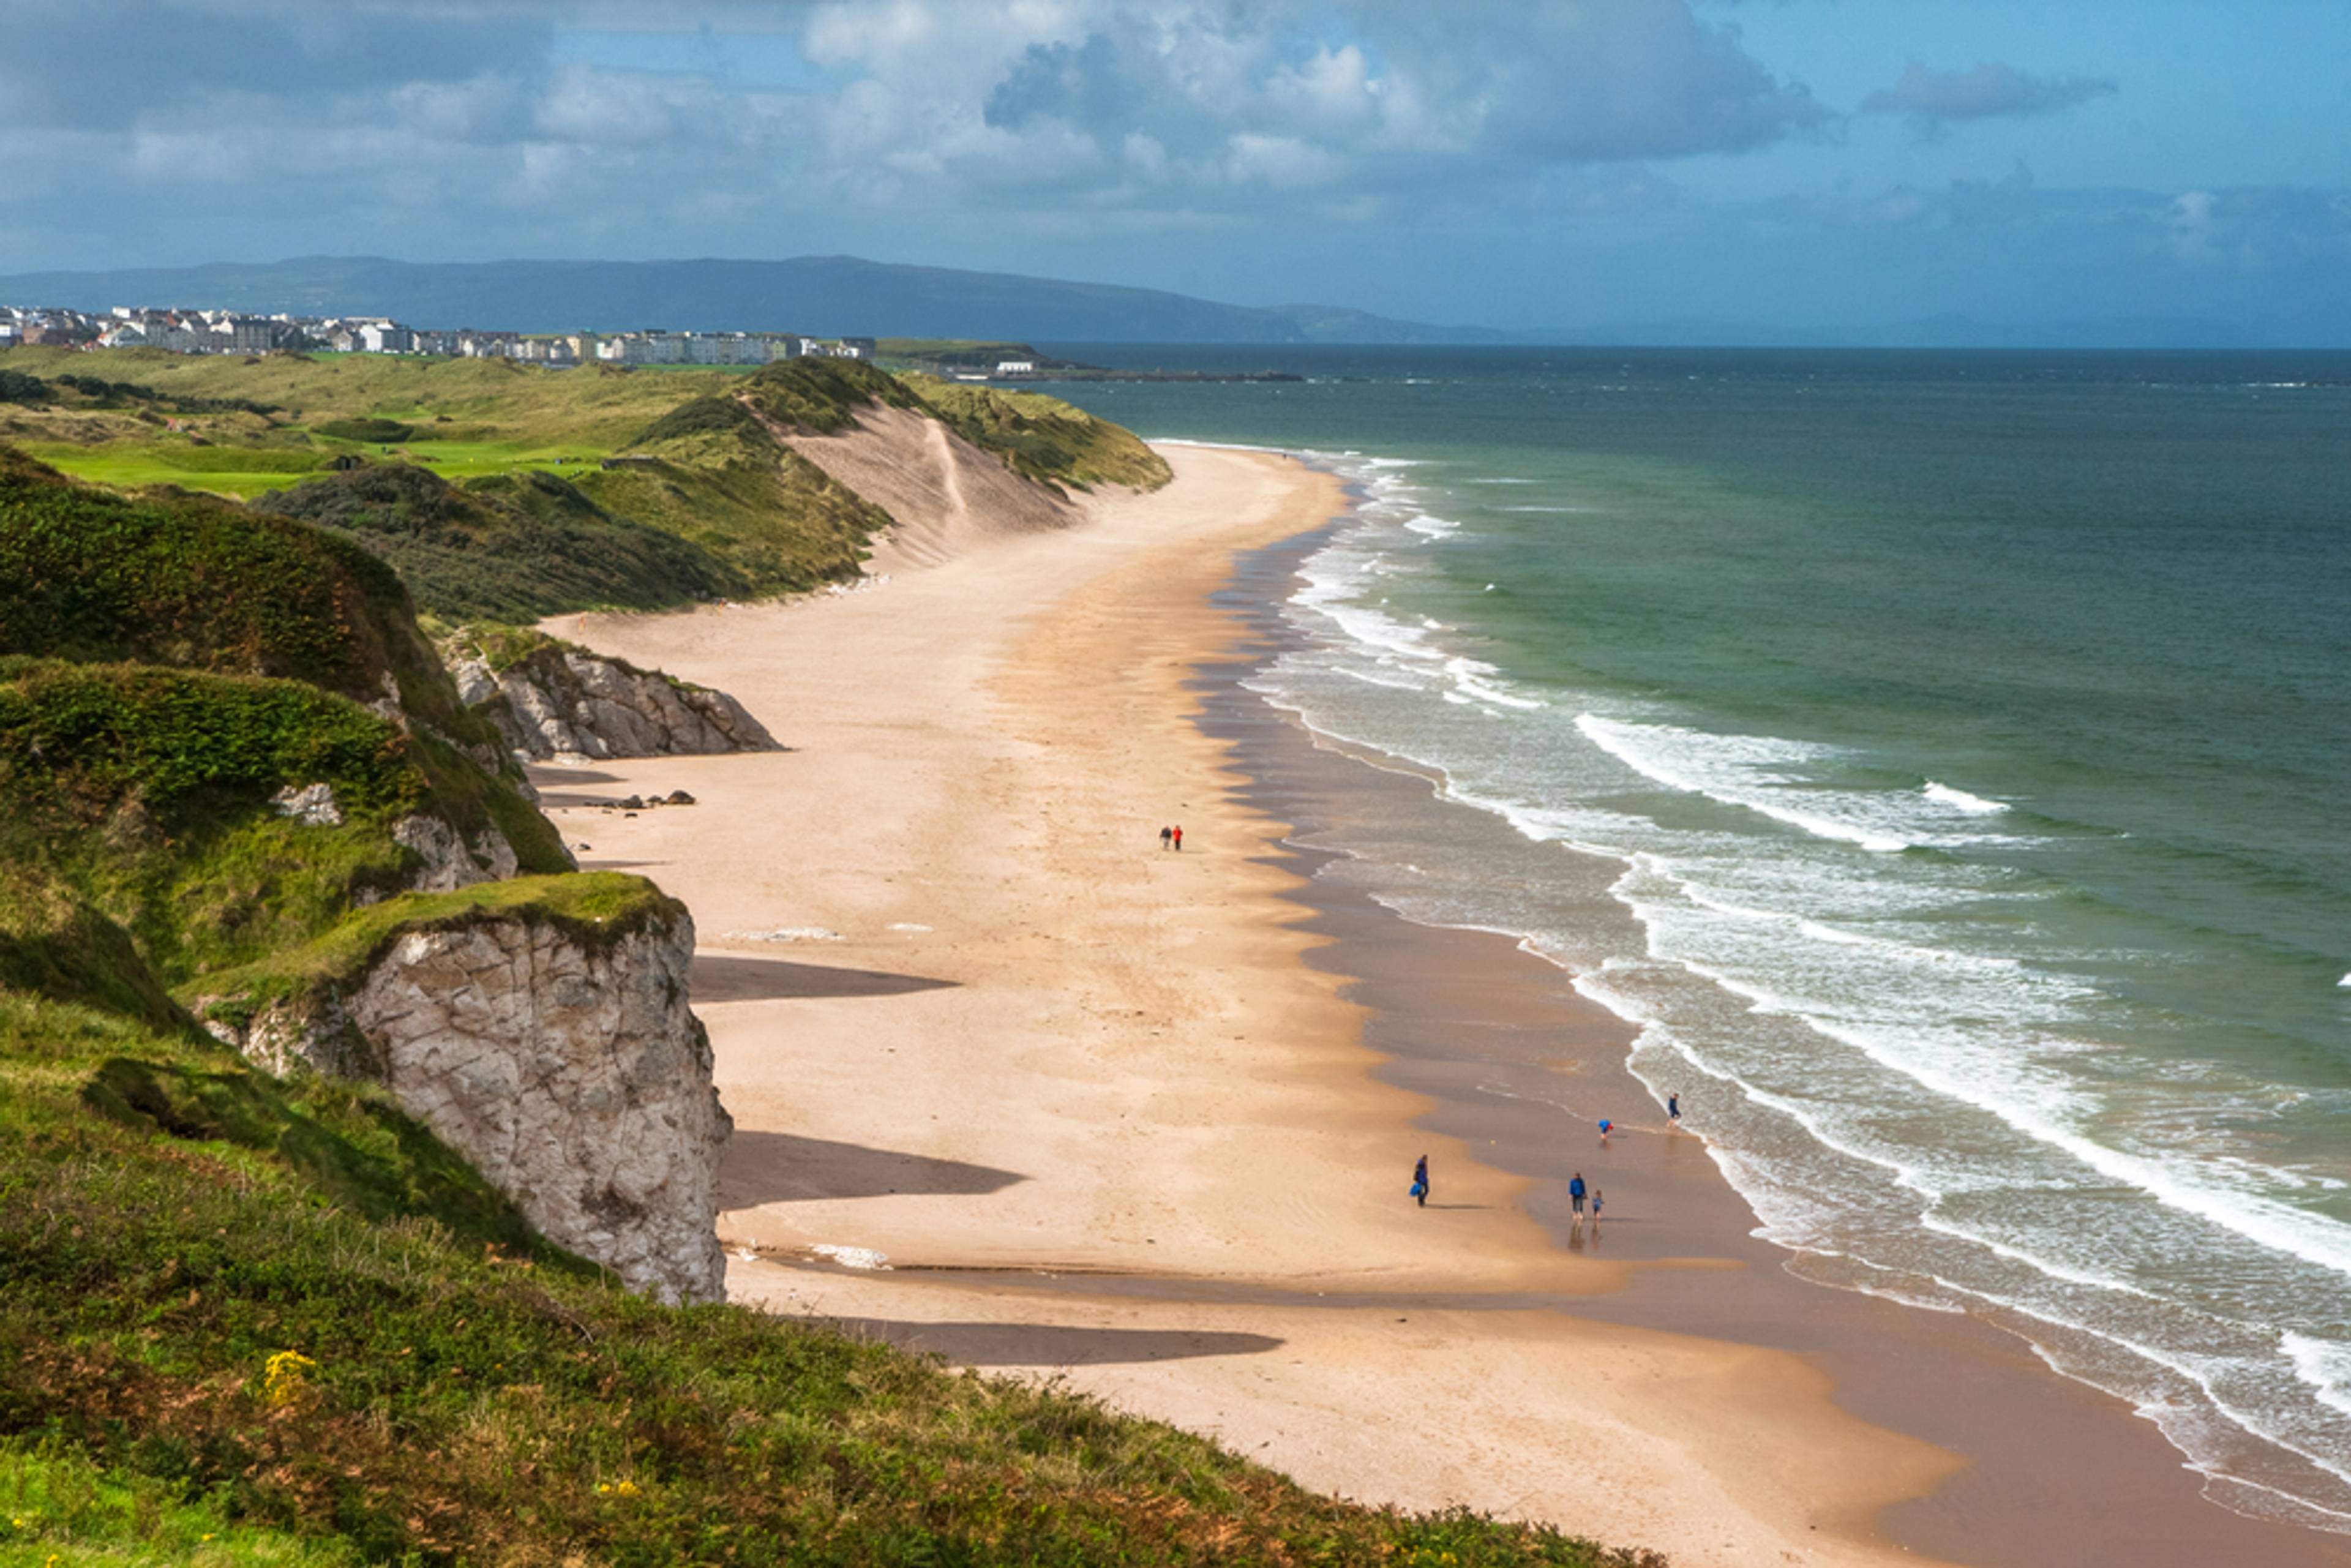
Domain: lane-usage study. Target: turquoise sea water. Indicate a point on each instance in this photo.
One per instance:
(1967, 737)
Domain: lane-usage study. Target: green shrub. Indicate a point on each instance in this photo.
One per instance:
(148, 793)
(376, 432)
(507, 547)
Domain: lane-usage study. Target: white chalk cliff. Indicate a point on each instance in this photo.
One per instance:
(561, 701)
(570, 1072)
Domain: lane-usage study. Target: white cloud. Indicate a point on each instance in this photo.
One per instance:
(1932, 99)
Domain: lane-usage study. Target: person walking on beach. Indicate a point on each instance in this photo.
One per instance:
(1420, 1181)
(1674, 1108)
(1179, 835)
(1167, 837)
(1596, 1211)
(1575, 1195)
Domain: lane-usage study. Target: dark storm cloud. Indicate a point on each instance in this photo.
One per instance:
(107, 64)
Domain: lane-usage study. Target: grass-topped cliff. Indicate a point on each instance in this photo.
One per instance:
(504, 491)
(169, 670)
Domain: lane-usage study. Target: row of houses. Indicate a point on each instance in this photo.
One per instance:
(183, 332)
(717, 348)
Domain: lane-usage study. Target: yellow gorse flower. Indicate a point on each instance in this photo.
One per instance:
(287, 1377)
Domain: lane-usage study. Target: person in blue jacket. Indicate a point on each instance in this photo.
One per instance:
(1575, 1193)
(1420, 1181)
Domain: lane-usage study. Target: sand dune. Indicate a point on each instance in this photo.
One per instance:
(944, 494)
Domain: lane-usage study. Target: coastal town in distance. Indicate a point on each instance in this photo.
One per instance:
(182, 332)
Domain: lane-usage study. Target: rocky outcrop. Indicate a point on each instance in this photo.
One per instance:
(451, 862)
(568, 1069)
(565, 702)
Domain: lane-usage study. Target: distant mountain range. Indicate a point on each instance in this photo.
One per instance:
(832, 295)
(822, 295)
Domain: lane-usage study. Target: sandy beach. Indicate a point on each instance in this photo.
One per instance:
(1144, 1118)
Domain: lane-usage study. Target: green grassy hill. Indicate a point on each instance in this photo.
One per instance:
(167, 668)
(189, 581)
(1043, 438)
(710, 473)
(506, 491)
(506, 546)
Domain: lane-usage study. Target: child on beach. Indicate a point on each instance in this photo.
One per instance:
(1674, 1108)
(1595, 1209)
(1420, 1181)
(1606, 1127)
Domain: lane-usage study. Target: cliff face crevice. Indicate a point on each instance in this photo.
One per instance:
(562, 702)
(570, 1073)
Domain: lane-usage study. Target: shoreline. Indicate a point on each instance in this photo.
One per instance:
(2058, 1471)
(1127, 1115)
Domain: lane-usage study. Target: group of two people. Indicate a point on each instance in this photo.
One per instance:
(1170, 838)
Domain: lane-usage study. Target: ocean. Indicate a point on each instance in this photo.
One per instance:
(1939, 758)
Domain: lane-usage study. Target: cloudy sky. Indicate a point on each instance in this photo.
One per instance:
(1522, 164)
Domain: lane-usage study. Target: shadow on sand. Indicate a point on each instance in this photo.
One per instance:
(719, 978)
(779, 1167)
(546, 776)
(1051, 1345)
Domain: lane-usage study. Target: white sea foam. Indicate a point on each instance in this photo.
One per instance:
(1730, 777)
(1960, 799)
(1475, 679)
(1770, 776)
(1560, 510)
(2325, 1364)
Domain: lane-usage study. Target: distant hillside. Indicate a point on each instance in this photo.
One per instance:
(509, 492)
(826, 295)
